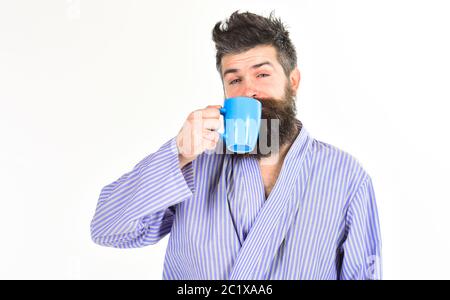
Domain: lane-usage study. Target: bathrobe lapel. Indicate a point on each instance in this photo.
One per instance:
(276, 215)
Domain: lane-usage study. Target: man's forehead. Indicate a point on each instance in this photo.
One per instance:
(261, 55)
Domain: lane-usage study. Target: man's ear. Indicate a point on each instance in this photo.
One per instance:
(294, 79)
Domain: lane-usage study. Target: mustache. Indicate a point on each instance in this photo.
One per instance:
(277, 109)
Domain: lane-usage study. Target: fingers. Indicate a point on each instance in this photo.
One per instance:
(211, 111)
(198, 124)
(211, 135)
(212, 124)
(209, 145)
(214, 106)
(199, 132)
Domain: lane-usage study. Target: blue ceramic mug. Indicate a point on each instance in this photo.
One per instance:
(242, 119)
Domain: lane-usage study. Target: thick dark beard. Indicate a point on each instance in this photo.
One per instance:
(282, 111)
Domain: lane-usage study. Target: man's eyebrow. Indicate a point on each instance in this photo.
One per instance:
(253, 67)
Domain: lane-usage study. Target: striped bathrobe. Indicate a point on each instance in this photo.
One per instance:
(320, 220)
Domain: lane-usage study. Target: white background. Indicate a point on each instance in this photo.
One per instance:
(89, 88)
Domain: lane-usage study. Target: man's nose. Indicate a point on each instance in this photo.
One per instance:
(251, 91)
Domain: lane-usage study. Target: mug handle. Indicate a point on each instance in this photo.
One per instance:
(223, 112)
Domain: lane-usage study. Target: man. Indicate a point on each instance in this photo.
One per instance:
(306, 210)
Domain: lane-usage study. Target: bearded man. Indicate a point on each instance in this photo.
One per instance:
(302, 210)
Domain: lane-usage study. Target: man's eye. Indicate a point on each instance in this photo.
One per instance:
(234, 81)
(263, 75)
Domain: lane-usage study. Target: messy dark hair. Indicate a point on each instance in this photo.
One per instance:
(243, 31)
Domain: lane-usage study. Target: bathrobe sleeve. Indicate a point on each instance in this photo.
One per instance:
(361, 250)
(138, 209)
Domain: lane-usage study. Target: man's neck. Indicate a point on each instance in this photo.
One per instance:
(277, 158)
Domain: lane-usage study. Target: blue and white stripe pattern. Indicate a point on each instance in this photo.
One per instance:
(320, 220)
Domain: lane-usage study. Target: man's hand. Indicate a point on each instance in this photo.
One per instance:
(199, 133)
